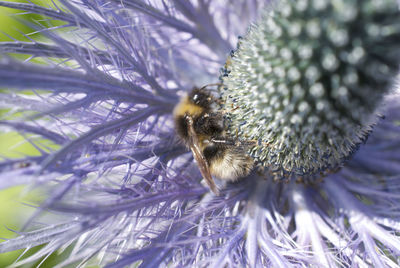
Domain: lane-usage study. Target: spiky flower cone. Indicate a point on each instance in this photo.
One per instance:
(307, 78)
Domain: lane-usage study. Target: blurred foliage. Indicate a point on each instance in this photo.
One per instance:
(14, 211)
(12, 25)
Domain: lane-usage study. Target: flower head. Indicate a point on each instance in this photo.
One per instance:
(311, 77)
(122, 190)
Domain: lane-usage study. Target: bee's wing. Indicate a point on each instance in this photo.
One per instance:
(199, 157)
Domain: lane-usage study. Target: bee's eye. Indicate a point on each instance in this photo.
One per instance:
(197, 99)
(200, 98)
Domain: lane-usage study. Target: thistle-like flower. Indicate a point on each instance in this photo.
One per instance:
(308, 80)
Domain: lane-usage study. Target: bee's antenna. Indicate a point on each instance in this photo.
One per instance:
(210, 85)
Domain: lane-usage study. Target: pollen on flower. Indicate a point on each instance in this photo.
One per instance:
(307, 79)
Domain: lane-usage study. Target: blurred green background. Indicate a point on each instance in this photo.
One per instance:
(13, 209)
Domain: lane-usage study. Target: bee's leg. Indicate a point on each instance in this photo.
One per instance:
(198, 155)
(237, 142)
(219, 101)
(224, 141)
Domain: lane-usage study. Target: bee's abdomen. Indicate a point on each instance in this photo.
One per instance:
(228, 162)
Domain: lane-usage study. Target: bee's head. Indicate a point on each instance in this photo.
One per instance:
(201, 97)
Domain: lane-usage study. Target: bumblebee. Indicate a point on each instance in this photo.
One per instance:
(201, 128)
